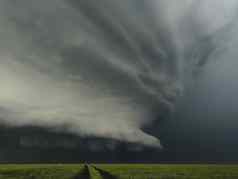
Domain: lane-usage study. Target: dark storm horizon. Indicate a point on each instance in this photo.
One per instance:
(119, 77)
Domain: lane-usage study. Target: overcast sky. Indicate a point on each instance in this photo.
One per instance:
(111, 68)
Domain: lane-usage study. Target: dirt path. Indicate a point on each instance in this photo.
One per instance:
(86, 174)
(83, 174)
(104, 174)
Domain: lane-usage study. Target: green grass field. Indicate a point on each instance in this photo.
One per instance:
(118, 171)
(141, 171)
(39, 171)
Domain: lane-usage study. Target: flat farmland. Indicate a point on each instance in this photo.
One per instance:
(118, 171)
(151, 171)
(42, 171)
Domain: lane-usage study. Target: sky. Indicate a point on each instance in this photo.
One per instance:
(151, 75)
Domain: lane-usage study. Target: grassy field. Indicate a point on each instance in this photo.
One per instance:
(141, 171)
(40, 171)
(108, 171)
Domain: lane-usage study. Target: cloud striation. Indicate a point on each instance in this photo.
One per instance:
(103, 68)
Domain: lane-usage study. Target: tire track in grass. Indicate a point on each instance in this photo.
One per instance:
(83, 174)
(94, 174)
(104, 174)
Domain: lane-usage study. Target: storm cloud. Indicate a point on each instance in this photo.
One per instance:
(104, 68)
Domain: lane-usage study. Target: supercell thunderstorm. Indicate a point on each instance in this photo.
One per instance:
(104, 68)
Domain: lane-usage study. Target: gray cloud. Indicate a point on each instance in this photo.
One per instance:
(103, 69)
